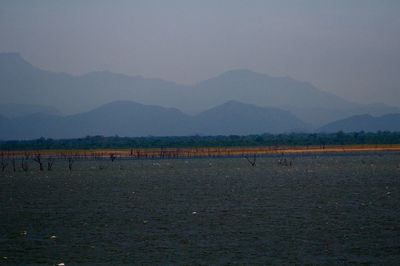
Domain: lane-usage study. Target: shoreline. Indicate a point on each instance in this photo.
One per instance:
(204, 152)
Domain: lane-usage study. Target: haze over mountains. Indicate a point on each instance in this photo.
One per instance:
(368, 123)
(16, 110)
(235, 102)
(125, 118)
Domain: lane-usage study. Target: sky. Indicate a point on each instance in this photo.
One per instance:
(347, 47)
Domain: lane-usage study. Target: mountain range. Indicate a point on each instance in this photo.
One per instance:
(125, 118)
(23, 83)
(36, 103)
(367, 123)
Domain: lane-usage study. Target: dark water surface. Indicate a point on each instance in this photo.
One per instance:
(320, 211)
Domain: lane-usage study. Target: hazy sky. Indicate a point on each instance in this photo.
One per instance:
(349, 47)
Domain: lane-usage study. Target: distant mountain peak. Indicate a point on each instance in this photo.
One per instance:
(121, 102)
(239, 74)
(12, 59)
(242, 71)
(108, 73)
(362, 116)
(11, 55)
(235, 103)
(11, 110)
(365, 122)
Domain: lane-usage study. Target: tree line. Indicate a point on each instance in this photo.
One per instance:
(292, 139)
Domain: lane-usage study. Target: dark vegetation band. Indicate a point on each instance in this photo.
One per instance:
(116, 142)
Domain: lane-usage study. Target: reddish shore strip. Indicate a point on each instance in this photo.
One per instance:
(164, 153)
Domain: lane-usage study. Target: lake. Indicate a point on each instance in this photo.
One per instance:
(317, 210)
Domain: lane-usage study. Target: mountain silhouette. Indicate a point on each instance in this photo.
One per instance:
(368, 123)
(126, 118)
(15, 110)
(241, 119)
(23, 83)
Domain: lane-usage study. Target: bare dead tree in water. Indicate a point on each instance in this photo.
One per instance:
(38, 159)
(251, 161)
(14, 164)
(3, 163)
(284, 162)
(50, 162)
(70, 163)
(25, 164)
